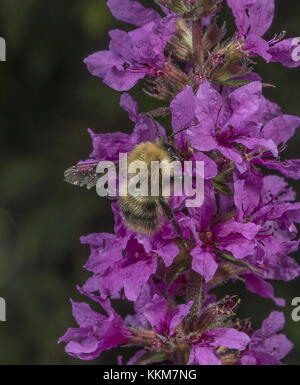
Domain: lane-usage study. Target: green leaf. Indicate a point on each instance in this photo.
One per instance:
(234, 83)
(222, 188)
(152, 358)
(239, 262)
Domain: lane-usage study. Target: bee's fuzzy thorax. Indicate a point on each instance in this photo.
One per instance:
(149, 152)
(144, 213)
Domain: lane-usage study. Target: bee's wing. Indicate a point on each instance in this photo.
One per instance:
(83, 175)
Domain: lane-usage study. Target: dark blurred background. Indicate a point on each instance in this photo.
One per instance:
(47, 100)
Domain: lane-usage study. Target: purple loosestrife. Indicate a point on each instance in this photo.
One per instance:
(253, 19)
(246, 227)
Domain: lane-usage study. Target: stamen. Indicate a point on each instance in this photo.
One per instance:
(277, 38)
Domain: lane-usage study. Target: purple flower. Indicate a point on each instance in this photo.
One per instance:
(256, 284)
(96, 332)
(183, 109)
(127, 272)
(126, 260)
(153, 311)
(280, 128)
(282, 52)
(242, 125)
(246, 227)
(132, 12)
(270, 204)
(228, 121)
(229, 236)
(109, 146)
(133, 55)
(266, 346)
(253, 19)
(204, 351)
(289, 168)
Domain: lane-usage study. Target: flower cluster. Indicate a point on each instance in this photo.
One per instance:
(246, 228)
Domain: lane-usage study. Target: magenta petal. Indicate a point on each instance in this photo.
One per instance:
(84, 315)
(248, 359)
(256, 145)
(247, 193)
(210, 167)
(122, 80)
(238, 246)
(277, 345)
(281, 128)
(168, 251)
(257, 46)
(203, 215)
(106, 249)
(261, 15)
(254, 16)
(100, 62)
(96, 332)
(228, 337)
(257, 285)
(132, 12)
(108, 65)
(128, 275)
(87, 346)
(231, 153)
(210, 108)
(286, 52)
(178, 314)
(271, 325)
(129, 105)
(289, 168)
(108, 146)
(267, 347)
(146, 130)
(201, 137)
(183, 109)
(204, 263)
(155, 311)
(248, 230)
(245, 103)
(201, 355)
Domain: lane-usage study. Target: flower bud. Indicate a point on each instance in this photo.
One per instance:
(227, 62)
(226, 271)
(192, 9)
(150, 340)
(213, 35)
(171, 81)
(181, 45)
(217, 315)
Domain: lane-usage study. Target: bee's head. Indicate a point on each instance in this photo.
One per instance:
(171, 150)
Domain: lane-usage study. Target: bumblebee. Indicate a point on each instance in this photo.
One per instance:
(143, 214)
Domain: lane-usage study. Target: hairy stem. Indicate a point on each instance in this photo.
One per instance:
(194, 293)
(198, 54)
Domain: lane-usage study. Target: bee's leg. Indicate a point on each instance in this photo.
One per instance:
(170, 215)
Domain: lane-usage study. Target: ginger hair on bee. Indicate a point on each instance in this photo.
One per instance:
(145, 213)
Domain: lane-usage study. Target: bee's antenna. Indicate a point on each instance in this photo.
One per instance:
(156, 128)
(177, 132)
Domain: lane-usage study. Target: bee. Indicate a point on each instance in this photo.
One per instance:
(143, 214)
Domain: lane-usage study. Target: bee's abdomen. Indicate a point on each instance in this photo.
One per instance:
(142, 216)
